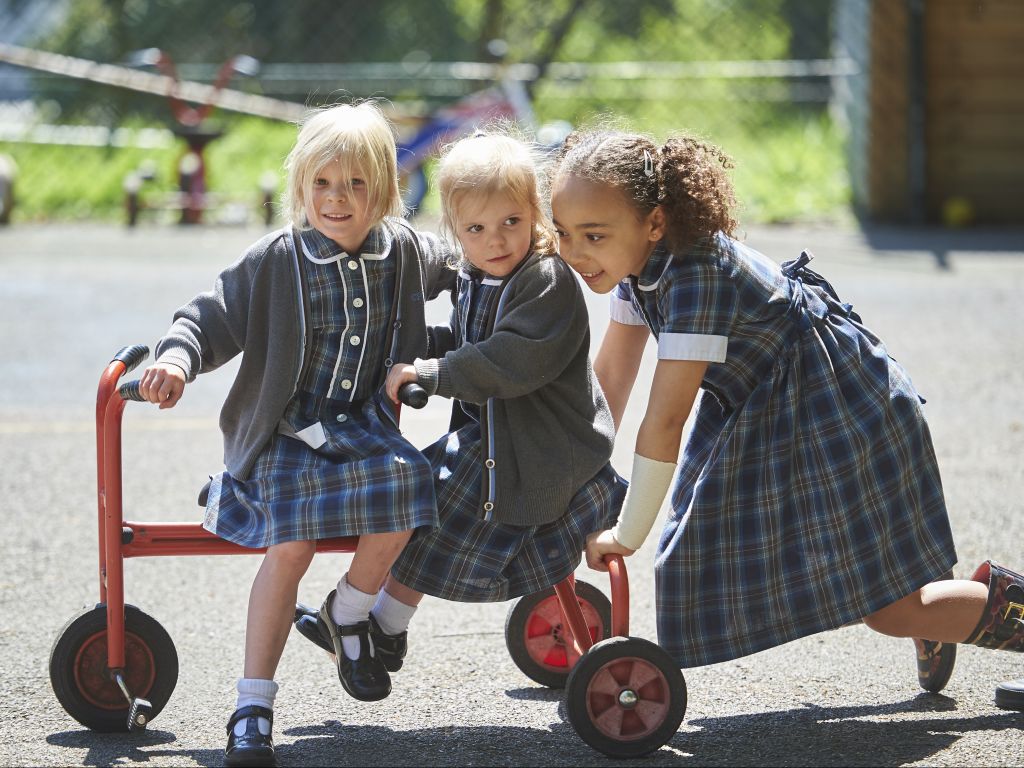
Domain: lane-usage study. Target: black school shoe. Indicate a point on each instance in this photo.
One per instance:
(252, 747)
(364, 678)
(390, 648)
(1010, 695)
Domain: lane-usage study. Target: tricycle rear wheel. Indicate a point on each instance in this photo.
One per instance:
(535, 637)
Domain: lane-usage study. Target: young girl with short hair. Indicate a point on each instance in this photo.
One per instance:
(319, 309)
(808, 494)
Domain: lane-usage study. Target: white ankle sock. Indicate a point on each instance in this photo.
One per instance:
(350, 606)
(392, 614)
(261, 693)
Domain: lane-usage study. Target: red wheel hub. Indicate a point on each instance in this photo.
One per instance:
(92, 676)
(628, 699)
(544, 640)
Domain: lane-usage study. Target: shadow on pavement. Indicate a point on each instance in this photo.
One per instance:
(837, 736)
(941, 242)
(808, 736)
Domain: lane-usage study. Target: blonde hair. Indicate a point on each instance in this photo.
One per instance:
(354, 135)
(490, 162)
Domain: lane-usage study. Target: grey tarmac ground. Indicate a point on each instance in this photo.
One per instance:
(949, 305)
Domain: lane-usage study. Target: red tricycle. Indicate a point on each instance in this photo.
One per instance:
(113, 667)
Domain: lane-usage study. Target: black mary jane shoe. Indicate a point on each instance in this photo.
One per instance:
(390, 648)
(252, 747)
(364, 678)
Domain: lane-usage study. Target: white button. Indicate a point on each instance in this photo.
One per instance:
(354, 341)
(341, 418)
(357, 303)
(353, 265)
(346, 384)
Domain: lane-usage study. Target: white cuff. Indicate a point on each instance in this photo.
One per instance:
(692, 346)
(648, 486)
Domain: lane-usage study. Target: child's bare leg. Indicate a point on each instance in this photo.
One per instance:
(946, 611)
(402, 593)
(375, 554)
(358, 589)
(272, 606)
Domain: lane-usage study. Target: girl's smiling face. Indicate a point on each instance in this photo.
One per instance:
(337, 205)
(495, 233)
(600, 234)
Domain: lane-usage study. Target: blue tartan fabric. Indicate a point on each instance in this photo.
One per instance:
(466, 558)
(350, 306)
(475, 297)
(364, 477)
(808, 494)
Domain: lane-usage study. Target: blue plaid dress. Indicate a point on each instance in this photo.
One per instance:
(338, 465)
(808, 494)
(467, 558)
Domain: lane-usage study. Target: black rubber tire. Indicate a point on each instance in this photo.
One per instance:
(78, 668)
(521, 624)
(598, 678)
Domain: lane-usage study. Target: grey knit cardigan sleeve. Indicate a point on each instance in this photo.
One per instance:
(550, 425)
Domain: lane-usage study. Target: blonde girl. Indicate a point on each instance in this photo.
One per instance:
(319, 309)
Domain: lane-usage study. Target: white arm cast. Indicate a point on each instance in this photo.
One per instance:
(648, 486)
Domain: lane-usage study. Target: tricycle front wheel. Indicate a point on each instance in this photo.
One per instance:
(81, 679)
(625, 697)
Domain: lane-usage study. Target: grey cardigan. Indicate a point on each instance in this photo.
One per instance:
(546, 426)
(260, 306)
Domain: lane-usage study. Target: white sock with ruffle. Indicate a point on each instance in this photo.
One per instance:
(255, 692)
(350, 606)
(392, 614)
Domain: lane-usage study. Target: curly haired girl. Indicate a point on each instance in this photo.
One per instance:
(808, 494)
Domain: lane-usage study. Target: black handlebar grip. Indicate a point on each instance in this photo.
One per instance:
(130, 391)
(132, 356)
(413, 395)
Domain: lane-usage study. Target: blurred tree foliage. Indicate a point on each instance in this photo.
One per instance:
(332, 31)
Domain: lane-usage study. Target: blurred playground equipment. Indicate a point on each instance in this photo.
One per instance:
(192, 197)
(507, 99)
(194, 127)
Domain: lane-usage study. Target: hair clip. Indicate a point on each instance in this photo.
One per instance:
(648, 164)
(478, 133)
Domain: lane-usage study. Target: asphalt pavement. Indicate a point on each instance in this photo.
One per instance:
(948, 304)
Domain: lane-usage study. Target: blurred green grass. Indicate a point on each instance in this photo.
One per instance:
(789, 168)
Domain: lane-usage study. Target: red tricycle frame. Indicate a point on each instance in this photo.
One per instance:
(625, 696)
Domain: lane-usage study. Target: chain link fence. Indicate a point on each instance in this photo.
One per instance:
(759, 77)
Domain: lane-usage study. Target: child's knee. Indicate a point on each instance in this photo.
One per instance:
(294, 555)
(895, 618)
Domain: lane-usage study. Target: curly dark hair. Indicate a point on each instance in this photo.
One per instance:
(687, 177)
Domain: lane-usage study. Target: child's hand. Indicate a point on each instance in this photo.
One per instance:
(603, 543)
(162, 384)
(401, 373)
